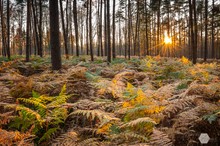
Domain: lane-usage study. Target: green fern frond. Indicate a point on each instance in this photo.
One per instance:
(137, 122)
(63, 90)
(30, 112)
(58, 116)
(44, 99)
(35, 94)
(91, 76)
(58, 101)
(32, 101)
(137, 109)
(135, 112)
(48, 134)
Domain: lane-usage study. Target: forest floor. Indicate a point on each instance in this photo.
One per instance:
(150, 101)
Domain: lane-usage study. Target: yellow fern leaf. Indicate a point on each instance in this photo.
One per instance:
(185, 60)
(126, 104)
(104, 129)
(130, 88)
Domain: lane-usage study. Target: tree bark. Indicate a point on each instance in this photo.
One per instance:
(90, 30)
(113, 32)
(40, 50)
(191, 29)
(100, 29)
(108, 32)
(195, 34)
(76, 26)
(35, 26)
(213, 31)
(206, 30)
(3, 29)
(129, 29)
(87, 28)
(28, 31)
(8, 30)
(64, 30)
(54, 35)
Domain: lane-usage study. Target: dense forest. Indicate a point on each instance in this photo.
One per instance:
(113, 28)
(110, 72)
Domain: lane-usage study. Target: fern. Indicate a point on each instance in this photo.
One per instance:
(30, 112)
(178, 105)
(33, 102)
(58, 101)
(128, 137)
(138, 122)
(48, 134)
(67, 139)
(93, 114)
(138, 111)
(212, 117)
(91, 77)
(15, 138)
(139, 105)
(39, 113)
(159, 138)
(90, 141)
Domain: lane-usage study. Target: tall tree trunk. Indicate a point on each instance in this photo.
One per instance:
(28, 31)
(76, 26)
(35, 26)
(201, 37)
(158, 27)
(105, 21)
(3, 29)
(136, 29)
(213, 31)
(68, 15)
(82, 31)
(64, 30)
(8, 29)
(90, 30)
(98, 34)
(206, 30)
(40, 50)
(195, 34)
(113, 31)
(87, 28)
(100, 29)
(54, 35)
(146, 30)
(108, 32)
(191, 28)
(129, 29)
(120, 39)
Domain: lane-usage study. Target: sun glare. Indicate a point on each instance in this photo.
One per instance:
(167, 39)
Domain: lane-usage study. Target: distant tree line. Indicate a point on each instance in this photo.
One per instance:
(110, 28)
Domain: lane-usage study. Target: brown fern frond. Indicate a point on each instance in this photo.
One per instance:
(89, 142)
(178, 105)
(67, 139)
(93, 114)
(130, 137)
(159, 138)
(5, 118)
(138, 122)
(14, 138)
(87, 105)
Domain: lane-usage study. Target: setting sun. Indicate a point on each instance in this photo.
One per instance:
(167, 40)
